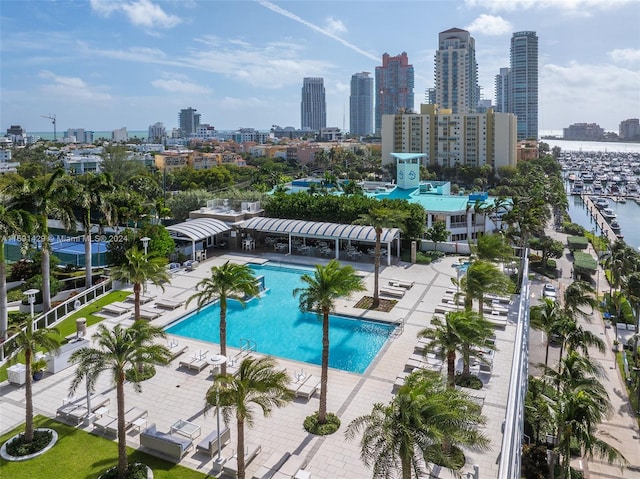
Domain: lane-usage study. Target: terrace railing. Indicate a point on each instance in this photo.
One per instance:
(55, 315)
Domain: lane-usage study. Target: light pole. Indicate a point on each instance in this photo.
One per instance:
(31, 297)
(145, 244)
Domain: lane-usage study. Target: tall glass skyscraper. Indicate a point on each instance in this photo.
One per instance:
(361, 104)
(394, 87)
(503, 90)
(456, 75)
(523, 96)
(313, 108)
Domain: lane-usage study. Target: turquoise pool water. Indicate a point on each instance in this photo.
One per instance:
(277, 327)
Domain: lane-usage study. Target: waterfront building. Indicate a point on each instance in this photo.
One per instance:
(394, 82)
(448, 140)
(456, 72)
(523, 98)
(188, 121)
(156, 133)
(630, 129)
(361, 105)
(583, 131)
(313, 107)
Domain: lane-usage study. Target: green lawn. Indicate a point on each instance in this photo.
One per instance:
(83, 455)
(68, 326)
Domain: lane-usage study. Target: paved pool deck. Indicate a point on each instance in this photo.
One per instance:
(175, 393)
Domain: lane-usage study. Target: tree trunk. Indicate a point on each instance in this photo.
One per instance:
(122, 432)
(451, 369)
(28, 393)
(240, 453)
(4, 314)
(223, 333)
(405, 462)
(546, 354)
(376, 272)
(87, 252)
(466, 359)
(324, 375)
(136, 301)
(46, 282)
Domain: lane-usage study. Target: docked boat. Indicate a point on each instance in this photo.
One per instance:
(601, 203)
(615, 226)
(608, 214)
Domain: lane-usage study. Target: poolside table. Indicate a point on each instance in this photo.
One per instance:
(186, 429)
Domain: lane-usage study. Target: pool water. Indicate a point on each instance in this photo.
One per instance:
(276, 326)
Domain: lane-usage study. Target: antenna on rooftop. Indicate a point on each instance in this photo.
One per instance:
(53, 120)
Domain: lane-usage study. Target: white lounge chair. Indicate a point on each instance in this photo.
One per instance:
(398, 283)
(291, 467)
(143, 298)
(308, 388)
(250, 452)
(197, 361)
(393, 292)
(169, 303)
(149, 313)
(116, 309)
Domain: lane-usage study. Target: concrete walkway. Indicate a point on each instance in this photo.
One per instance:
(621, 428)
(175, 393)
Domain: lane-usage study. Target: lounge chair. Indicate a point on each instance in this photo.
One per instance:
(104, 422)
(131, 415)
(115, 309)
(197, 361)
(230, 467)
(143, 299)
(209, 445)
(401, 284)
(177, 350)
(308, 388)
(168, 303)
(271, 465)
(81, 412)
(149, 313)
(292, 466)
(393, 292)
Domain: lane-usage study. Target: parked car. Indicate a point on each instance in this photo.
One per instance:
(549, 291)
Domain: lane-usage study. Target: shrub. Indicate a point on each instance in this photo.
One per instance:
(312, 426)
(18, 447)
(468, 381)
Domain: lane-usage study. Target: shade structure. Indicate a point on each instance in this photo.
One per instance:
(197, 229)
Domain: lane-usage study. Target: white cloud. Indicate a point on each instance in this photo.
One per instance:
(142, 13)
(334, 26)
(490, 25)
(625, 55)
(71, 87)
(174, 85)
(580, 7)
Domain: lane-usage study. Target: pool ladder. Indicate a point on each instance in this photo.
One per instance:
(247, 345)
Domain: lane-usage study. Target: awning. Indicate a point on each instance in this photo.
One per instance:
(197, 229)
(319, 229)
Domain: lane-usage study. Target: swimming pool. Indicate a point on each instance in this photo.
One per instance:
(277, 327)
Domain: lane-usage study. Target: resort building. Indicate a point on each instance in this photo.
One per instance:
(447, 139)
(313, 107)
(394, 87)
(361, 105)
(456, 72)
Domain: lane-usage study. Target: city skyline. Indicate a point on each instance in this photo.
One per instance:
(102, 65)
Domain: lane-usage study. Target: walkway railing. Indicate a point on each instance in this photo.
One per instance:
(52, 317)
(513, 433)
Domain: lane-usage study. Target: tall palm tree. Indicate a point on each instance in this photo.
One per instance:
(574, 337)
(139, 269)
(229, 281)
(632, 291)
(577, 294)
(380, 218)
(461, 331)
(256, 383)
(29, 341)
(327, 284)
(48, 196)
(117, 351)
(483, 277)
(545, 318)
(13, 223)
(492, 247)
(91, 196)
(418, 426)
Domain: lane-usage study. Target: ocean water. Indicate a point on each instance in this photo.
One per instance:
(48, 135)
(603, 146)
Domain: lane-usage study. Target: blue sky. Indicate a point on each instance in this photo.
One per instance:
(105, 64)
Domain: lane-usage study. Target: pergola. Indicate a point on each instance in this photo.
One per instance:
(335, 232)
(198, 229)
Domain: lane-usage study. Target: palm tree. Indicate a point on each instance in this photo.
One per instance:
(579, 293)
(460, 331)
(327, 284)
(574, 337)
(13, 223)
(545, 318)
(483, 277)
(117, 351)
(419, 425)
(29, 341)
(91, 197)
(492, 247)
(47, 196)
(380, 218)
(229, 281)
(256, 383)
(139, 269)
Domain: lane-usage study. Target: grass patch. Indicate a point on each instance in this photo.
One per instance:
(80, 454)
(385, 305)
(68, 326)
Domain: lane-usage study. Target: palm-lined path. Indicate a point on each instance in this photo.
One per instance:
(177, 394)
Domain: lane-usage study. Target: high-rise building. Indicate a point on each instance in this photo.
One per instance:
(456, 71)
(629, 129)
(313, 107)
(189, 121)
(523, 96)
(394, 87)
(361, 104)
(450, 140)
(503, 88)
(156, 133)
